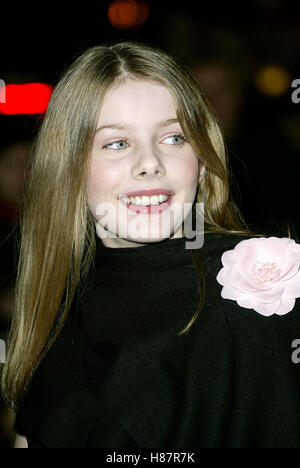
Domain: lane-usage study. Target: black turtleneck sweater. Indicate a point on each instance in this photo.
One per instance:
(119, 376)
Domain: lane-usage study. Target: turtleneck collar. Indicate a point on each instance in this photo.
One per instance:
(164, 254)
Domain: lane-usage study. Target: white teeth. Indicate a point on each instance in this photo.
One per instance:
(144, 200)
(162, 198)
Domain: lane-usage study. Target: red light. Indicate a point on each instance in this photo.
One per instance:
(124, 14)
(29, 98)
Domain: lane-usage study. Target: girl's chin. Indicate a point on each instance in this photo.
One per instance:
(135, 231)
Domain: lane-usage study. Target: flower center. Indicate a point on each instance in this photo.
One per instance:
(263, 272)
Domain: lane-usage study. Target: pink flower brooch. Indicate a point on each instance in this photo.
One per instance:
(262, 274)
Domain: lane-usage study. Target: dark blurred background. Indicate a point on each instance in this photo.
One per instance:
(245, 56)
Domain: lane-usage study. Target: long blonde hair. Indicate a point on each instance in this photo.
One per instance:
(58, 232)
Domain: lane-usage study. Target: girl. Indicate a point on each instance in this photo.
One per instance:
(125, 334)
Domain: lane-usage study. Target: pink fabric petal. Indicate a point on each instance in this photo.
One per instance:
(246, 302)
(289, 264)
(228, 258)
(272, 250)
(245, 260)
(286, 306)
(229, 292)
(222, 276)
(272, 247)
(288, 241)
(292, 287)
(291, 243)
(247, 243)
(289, 274)
(267, 309)
(242, 282)
(270, 295)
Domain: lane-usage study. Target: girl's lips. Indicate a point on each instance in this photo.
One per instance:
(151, 209)
(149, 192)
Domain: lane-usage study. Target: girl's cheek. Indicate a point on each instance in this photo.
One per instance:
(189, 169)
(103, 179)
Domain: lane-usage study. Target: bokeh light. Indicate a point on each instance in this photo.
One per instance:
(124, 14)
(273, 80)
(29, 98)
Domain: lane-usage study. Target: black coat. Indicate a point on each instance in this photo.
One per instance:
(119, 376)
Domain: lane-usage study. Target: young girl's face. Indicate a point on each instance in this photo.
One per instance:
(141, 148)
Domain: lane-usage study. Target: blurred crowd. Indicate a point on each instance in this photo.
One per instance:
(263, 149)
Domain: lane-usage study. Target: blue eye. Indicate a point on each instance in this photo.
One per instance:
(115, 143)
(177, 136)
(181, 137)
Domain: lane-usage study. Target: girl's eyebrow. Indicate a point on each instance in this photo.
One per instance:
(117, 126)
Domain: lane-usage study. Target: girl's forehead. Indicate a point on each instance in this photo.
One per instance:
(134, 99)
(137, 89)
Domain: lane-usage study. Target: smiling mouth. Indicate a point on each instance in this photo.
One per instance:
(149, 208)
